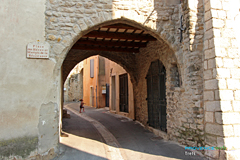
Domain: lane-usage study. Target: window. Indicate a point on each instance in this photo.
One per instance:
(91, 68)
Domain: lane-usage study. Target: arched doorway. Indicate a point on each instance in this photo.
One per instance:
(134, 48)
(156, 96)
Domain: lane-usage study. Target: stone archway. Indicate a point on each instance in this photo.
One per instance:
(137, 66)
(65, 26)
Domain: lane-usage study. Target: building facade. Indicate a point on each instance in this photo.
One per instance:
(121, 92)
(73, 86)
(193, 45)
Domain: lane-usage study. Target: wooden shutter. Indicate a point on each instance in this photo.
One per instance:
(91, 68)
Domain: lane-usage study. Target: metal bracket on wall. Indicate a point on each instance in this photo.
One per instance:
(182, 29)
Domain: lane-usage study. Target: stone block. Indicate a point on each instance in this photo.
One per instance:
(208, 34)
(230, 24)
(207, 74)
(211, 140)
(236, 106)
(237, 130)
(218, 23)
(233, 84)
(88, 22)
(51, 37)
(82, 24)
(211, 63)
(222, 84)
(221, 14)
(205, 64)
(235, 73)
(215, 129)
(216, 95)
(233, 52)
(58, 48)
(222, 42)
(232, 143)
(67, 40)
(212, 106)
(211, 84)
(76, 29)
(207, 15)
(208, 24)
(226, 106)
(219, 62)
(217, 33)
(220, 52)
(211, 43)
(206, 44)
(226, 6)
(228, 118)
(223, 73)
(207, 6)
(237, 95)
(218, 117)
(209, 117)
(220, 141)
(226, 33)
(208, 95)
(234, 43)
(228, 130)
(216, 4)
(226, 95)
(228, 63)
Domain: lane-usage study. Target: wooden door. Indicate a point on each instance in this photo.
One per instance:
(123, 92)
(156, 96)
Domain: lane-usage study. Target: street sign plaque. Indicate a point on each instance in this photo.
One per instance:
(38, 50)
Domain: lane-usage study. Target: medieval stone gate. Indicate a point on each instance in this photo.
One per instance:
(202, 109)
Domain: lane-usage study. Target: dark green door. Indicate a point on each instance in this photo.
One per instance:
(156, 96)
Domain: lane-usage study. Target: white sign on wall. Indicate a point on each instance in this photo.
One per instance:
(38, 50)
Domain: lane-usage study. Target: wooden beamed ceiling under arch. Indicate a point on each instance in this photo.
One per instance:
(117, 38)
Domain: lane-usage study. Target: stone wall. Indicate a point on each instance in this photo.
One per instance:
(221, 74)
(29, 106)
(74, 84)
(67, 21)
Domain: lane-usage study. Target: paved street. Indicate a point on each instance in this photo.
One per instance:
(97, 134)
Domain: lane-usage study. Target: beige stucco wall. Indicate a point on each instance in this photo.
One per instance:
(90, 82)
(29, 94)
(117, 70)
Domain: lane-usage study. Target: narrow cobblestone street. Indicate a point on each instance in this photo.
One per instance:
(97, 134)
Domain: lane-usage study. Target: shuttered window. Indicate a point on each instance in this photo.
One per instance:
(91, 68)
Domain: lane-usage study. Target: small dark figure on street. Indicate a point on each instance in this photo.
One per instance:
(81, 106)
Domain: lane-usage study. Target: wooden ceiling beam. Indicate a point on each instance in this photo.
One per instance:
(118, 35)
(121, 26)
(105, 49)
(112, 43)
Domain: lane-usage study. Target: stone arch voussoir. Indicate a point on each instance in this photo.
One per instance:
(61, 46)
